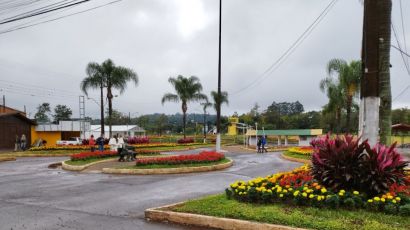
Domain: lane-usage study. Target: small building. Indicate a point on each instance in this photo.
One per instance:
(400, 134)
(64, 130)
(14, 123)
(302, 136)
(124, 130)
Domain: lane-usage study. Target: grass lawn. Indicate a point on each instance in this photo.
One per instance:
(156, 166)
(296, 155)
(303, 217)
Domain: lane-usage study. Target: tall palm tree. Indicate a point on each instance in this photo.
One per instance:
(219, 101)
(107, 75)
(205, 106)
(349, 75)
(186, 90)
(334, 93)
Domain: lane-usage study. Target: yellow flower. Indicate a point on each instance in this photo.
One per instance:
(398, 198)
(370, 201)
(311, 196)
(323, 190)
(280, 195)
(383, 200)
(304, 194)
(296, 193)
(305, 188)
(319, 198)
(376, 198)
(389, 197)
(356, 192)
(341, 194)
(394, 201)
(290, 189)
(342, 191)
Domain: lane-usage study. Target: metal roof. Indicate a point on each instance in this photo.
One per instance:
(286, 132)
(118, 128)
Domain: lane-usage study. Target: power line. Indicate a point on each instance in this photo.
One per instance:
(401, 93)
(61, 17)
(403, 30)
(401, 53)
(290, 50)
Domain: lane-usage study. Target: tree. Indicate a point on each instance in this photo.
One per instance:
(349, 75)
(334, 92)
(205, 106)
(62, 112)
(107, 75)
(218, 101)
(161, 121)
(187, 90)
(41, 114)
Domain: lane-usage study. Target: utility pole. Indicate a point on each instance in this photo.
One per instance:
(374, 62)
(102, 106)
(218, 109)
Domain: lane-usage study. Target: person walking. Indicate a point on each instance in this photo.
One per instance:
(100, 143)
(23, 142)
(263, 142)
(259, 143)
(121, 143)
(113, 142)
(91, 143)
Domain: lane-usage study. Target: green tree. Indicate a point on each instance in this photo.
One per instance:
(205, 106)
(41, 114)
(334, 92)
(107, 75)
(186, 90)
(348, 78)
(161, 121)
(219, 100)
(62, 112)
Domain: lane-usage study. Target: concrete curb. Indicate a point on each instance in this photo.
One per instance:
(162, 215)
(168, 170)
(82, 167)
(38, 155)
(7, 159)
(295, 159)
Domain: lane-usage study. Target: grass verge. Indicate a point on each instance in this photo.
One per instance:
(303, 217)
(156, 166)
(296, 155)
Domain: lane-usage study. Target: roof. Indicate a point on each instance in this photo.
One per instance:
(118, 128)
(19, 116)
(400, 128)
(286, 132)
(10, 110)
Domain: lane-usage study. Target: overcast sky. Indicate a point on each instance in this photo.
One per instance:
(163, 38)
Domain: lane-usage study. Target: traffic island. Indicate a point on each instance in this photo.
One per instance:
(7, 159)
(71, 167)
(171, 169)
(295, 158)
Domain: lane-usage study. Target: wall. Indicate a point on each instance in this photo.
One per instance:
(11, 126)
(50, 137)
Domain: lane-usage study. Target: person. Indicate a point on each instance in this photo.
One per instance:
(263, 142)
(113, 142)
(91, 143)
(23, 142)
(121, 143)
(17, 144)
(259, 144)
(100, 143)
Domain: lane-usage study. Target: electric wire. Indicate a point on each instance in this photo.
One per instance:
(403, 30)
(289, 51)
(401, 53)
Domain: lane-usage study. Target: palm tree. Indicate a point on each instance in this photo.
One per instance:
(336, 100)
(187, 90)
(107, 75)
(205, 106)
(218, 101)
(349, 75)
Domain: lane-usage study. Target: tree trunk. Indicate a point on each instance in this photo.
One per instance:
(204, 126)
(109, 96)
(384, 11)
(184, 109)
(102, 109)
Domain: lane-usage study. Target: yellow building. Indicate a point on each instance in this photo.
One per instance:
(232, 128)
(51, 133)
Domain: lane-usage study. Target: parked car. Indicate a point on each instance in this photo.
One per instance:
(70, 141)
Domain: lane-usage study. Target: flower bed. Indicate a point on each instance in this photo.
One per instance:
(305, 150)
(137, 140)
(186, 140)
(203, 157)
(93, 155)
(341, 175)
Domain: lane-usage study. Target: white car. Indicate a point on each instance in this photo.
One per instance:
(71, 141)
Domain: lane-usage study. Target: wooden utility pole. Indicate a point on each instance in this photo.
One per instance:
(375, 74)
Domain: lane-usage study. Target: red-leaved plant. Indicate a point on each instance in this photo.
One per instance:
(343, 163)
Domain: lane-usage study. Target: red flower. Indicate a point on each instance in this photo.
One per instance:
(202, 157)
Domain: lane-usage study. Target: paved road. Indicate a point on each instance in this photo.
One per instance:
(35, 197)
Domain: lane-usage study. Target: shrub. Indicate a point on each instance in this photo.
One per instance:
(137, 140)
(404, 210)
(343, 163)
(390, 209)
(185, 140)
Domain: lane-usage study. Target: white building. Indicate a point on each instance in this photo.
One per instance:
(124, 130)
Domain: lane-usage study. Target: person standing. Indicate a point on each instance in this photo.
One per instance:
(100, 143)
(259, 143)
(23, 142)
(113, 142)
(263, 144)
(17, 144)
(121, 143)
(91, 143)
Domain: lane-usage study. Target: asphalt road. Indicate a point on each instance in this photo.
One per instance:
(35, 197)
